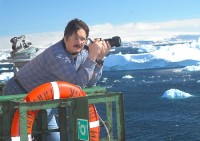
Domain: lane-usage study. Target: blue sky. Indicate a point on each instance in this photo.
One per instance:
(35, 16)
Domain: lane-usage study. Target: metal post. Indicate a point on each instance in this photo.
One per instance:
(63, 123)
(23, 122)
(109, 118)
(120, 118)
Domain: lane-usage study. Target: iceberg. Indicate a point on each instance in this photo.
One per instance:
(127, 77)
(175, 94)
(178, 55)
(192, 68)
(4, 77)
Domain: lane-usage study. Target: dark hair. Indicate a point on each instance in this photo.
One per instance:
(74, 25)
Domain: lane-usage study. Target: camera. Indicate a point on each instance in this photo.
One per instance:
(114, 41)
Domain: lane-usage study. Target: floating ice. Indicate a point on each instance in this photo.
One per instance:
(169, 56)
(127, 77)
(192, 68)
(6, 76)
(175, 94)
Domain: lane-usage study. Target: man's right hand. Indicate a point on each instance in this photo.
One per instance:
(95, 49)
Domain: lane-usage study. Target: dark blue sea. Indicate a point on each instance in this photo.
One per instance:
(148, 117)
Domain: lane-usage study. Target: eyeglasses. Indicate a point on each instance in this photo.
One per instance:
(88, 41)
(77, 37)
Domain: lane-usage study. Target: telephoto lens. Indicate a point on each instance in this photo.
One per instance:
(114, 42)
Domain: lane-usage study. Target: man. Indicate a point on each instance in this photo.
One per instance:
(67, 60)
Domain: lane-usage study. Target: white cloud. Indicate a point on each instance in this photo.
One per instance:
(128, 32)
(137, 31)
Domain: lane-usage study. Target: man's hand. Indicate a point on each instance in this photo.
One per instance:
(98, 49)
(105, 50)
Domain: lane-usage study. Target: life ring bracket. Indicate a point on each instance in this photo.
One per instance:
(44, 99)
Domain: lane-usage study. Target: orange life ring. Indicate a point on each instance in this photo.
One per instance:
(50, 91)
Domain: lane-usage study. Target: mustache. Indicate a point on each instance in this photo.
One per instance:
(77, 46)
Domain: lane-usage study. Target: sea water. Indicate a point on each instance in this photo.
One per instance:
(148, 116)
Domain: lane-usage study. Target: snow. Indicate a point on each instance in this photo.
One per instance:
(4, 55)
(127, 77)
(178, 55)
(4, 77)
(175, 94)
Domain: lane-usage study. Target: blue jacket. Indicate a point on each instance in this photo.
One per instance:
(56, 64)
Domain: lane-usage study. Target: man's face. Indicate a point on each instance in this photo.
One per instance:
(75, 43)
